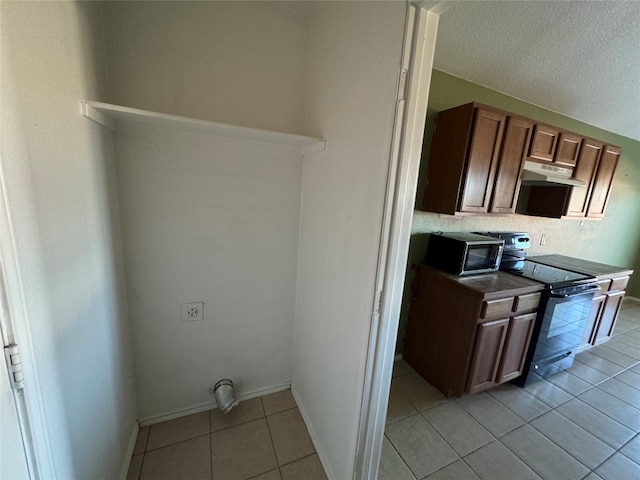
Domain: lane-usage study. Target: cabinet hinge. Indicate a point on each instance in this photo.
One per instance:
(14, 366)
(402, 88)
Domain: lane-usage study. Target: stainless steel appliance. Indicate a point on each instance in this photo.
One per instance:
(463, 253)
(515, 249)
(562, 315)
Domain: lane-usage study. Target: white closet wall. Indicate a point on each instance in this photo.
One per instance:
(60, 181)
(212, 219)
(207, 218)
(354, 64)
(241, 63)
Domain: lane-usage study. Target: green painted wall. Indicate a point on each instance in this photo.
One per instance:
(614, 240)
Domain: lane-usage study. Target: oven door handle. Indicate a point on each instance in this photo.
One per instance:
(560, 294)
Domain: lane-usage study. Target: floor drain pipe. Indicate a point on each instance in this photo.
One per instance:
(224, 395)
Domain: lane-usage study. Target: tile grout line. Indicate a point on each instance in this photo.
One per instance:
(602, 413)
(615, 396)
(177, 443)
(516, 414)
(399, 455)
(569, 453)
(297, 459)
(280, 411)
(210, 448)
(554, 443)
(144, 451)
(273, 445)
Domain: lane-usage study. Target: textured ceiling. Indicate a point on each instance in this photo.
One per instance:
(577, 58)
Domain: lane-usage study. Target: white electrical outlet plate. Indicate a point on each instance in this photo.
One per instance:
(190, 312)
(543, 239)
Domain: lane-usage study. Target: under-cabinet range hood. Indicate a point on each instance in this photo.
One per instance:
(548, 175)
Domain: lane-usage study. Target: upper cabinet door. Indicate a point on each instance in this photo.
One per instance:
(517, 136)
(543, 143)
(603, 182)
(585, 170)
(482, 161)
(567, 149)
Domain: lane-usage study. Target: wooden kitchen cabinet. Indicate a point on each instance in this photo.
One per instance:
(516, 346)
(608, 317)
(585, 170)
(482, 161)
(467, 334)
(568, 149)
(595, 166)
(487, 354)
(591, 325)
(601, 189)
(506, 188)
(500, 350)
(543, 143)
(477, 155)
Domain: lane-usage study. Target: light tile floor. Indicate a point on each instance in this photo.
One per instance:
(262, 439)
(583, 423)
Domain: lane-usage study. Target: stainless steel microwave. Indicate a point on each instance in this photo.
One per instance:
(463, 253)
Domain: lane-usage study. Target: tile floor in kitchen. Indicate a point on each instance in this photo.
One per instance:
(261, 439)
(581, 423)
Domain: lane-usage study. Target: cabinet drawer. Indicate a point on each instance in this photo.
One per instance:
(496, 308)
(523, 303)
(618, 283)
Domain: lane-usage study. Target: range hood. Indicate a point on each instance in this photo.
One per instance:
(548, 175)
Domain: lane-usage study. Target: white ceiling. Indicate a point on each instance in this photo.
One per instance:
(577, 58)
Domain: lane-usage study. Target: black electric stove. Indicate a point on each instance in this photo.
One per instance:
(553, 277)
(564, 307)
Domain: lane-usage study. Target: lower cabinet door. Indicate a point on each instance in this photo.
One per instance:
(486, 355)
(515, 347)
(608, 318)
(588, 337)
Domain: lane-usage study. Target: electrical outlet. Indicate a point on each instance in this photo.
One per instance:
(543, 239)
(192, 311)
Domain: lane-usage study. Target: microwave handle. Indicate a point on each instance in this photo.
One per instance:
(495, 260)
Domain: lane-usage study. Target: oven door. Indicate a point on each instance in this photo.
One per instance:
(561, 327)
(480, 258)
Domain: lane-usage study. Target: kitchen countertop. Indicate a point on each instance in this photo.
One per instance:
(587, 267)
(494, 285)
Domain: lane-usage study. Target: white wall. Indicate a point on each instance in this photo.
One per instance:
(354, 61)
(215, 220)
(59, 177)
(217, 224)
(241, 63)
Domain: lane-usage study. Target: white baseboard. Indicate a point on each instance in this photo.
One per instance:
(314, 437)
(203, 407)
(129, 452)
(635, 299)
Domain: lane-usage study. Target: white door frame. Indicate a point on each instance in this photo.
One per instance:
(417, 62)
(14, 322)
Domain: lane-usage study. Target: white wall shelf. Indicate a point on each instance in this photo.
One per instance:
(109, 115)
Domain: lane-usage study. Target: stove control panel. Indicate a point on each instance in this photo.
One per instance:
(512, 240)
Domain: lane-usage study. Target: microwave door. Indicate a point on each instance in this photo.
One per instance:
(482, 257)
